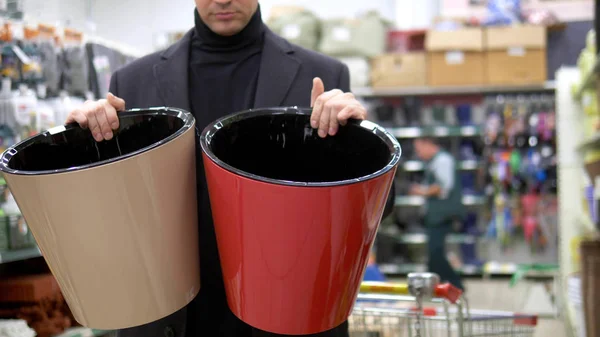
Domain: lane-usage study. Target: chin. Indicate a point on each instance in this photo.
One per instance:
(226, 29)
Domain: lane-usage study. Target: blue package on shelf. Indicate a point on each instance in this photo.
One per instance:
(468, 183)
(470, 224)
(372, 273)
(464, 114)
(503, 12)
(469, 255)
(467, 150)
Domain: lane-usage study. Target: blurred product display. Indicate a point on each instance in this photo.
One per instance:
(364, 36)
(297, 25)
(43, 79)
(505, 149)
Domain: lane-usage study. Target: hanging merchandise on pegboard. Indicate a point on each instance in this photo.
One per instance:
(44, 77)
(521, 157)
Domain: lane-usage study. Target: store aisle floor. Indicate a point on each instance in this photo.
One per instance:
(499, 295)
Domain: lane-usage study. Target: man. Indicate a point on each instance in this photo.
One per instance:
(230, 61)
(443, 192)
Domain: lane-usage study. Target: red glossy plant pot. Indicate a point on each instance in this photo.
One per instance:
(295, 215)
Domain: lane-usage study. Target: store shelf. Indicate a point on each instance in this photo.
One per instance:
(416, 166)
(19, 255)
(421, 238)
(468, 200)
(453, 90)
(406, 268)
(435, 131)
(500, 268)
(490, 268)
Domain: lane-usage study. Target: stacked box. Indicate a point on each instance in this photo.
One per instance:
(456, 57)
(516, 55)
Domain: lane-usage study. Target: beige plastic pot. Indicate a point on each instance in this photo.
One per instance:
(116, 221)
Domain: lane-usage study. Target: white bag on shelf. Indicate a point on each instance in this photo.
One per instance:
(365, 36)
(360, 70)
(300, 27)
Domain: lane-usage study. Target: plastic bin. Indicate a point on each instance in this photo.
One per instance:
(295, 215)
(116, 221)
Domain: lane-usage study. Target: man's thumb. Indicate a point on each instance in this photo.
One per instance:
(116, 102)
(317, 90)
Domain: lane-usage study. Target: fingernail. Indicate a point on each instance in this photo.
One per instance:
(322, 133)
(332, 131)
(313, 124)
(98, 137)
(108, 136)
(115, 125)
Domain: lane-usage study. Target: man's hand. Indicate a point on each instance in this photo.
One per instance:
(332, 108)
(426, 191)
(99, 116)
(416, 190)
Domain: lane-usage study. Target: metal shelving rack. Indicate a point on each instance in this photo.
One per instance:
(19, 255)
(456, 90)
(491, 268)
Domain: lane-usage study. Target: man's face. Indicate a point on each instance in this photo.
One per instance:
(226, 17)
(422, 149)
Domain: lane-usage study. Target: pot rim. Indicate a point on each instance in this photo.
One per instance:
(186, 117)
(377, 130)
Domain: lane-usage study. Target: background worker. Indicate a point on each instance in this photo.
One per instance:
(443, 192)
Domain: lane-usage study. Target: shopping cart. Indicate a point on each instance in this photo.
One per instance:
(391, 310)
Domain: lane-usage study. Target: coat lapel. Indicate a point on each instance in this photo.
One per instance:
(278, 68)
(171, 73)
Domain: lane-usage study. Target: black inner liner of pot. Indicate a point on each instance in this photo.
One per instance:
(285, 147)
(76, 147)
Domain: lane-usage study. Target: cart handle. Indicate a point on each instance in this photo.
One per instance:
(445, 290)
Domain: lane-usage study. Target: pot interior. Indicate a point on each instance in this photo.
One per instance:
(75, 147)
(283, 146)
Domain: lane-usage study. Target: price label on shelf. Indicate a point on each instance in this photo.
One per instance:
(407, 132)
(516, 51)
(455, 57)
(468, 131)
(441, 131)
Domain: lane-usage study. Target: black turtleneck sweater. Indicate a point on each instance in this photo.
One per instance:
(224, 70)
(223, 74)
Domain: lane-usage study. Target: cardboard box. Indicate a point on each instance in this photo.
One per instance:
(456, 57)
(399, 70)
(516, 55)
(456, 68)
(465, 39)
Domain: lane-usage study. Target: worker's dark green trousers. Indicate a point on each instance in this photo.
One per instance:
(438, 261)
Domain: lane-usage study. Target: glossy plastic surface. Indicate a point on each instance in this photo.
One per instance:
(69, 148)
(115, 221)
(295, 215)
